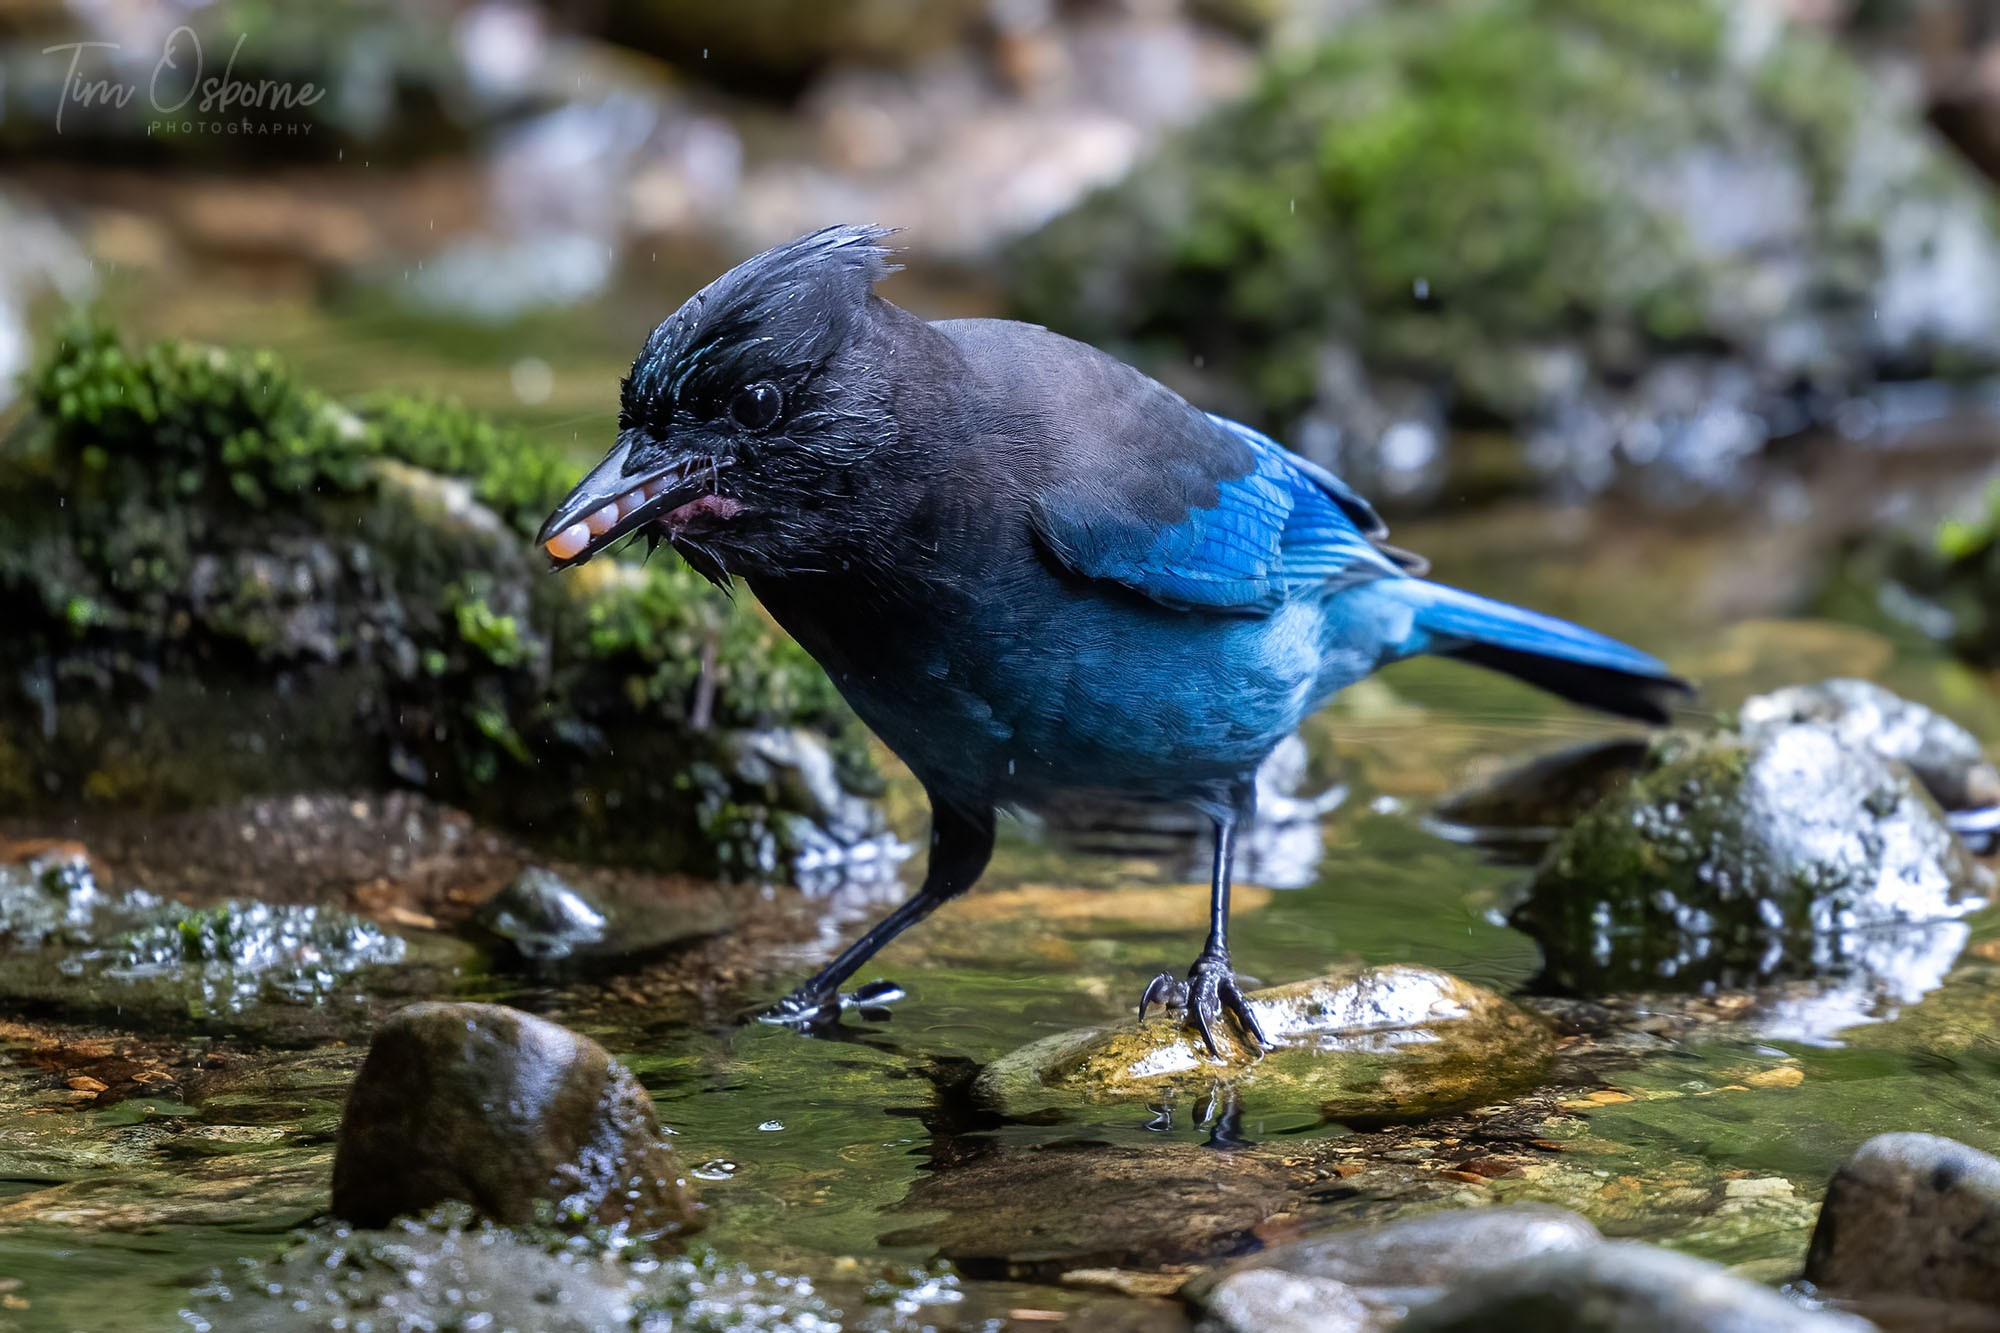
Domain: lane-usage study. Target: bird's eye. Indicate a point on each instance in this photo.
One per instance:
(757, 406)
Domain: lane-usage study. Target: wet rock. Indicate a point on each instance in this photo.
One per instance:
(1734, 859)
(543, 917)
(1943, 755)
(448, 1271)
(1264, 1300)
(1289, 260)
(1620, 1288)
(1910, 1215)
(512, 1114)
(1037, 1212)
(1375, 1043)
(550, 922)
(1532, 804)
(1365, 1278)
(182, 525)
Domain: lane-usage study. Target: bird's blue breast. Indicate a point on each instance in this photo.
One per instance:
(1036, 697)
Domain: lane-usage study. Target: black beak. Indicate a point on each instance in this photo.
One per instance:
(642, 495)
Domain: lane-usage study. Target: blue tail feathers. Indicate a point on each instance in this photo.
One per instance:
(1567, 660)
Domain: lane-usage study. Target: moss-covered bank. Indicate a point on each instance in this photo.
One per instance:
(217, 581)
(1637, 235)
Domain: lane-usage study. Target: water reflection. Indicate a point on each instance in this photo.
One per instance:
(1877, 974)
(1280, 849)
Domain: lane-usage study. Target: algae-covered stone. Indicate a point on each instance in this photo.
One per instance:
(1743, 859)
(510, 1113)
(1631, 233)
(1380, 1043)
(223, 583)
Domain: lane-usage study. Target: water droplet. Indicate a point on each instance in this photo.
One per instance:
(772, 1126)
(717, 1168)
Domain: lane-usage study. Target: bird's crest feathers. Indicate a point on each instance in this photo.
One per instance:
(783, 312)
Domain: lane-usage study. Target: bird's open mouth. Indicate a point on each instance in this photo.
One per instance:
(607, 504)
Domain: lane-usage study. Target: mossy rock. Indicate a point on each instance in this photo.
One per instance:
(1735, 861)
(1364, 1044)
(218, 582)
(1631, 234)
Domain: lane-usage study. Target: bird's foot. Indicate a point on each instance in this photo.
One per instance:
(1208, 995)
(812, 1009)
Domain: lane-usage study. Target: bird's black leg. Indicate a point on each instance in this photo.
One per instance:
(1210, 990)
(961, 843)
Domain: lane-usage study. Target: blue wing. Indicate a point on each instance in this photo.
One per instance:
(1220, 518)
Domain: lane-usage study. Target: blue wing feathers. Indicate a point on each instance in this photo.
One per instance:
(1280, 529)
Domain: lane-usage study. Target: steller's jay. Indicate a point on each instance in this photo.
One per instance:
(1031, 569)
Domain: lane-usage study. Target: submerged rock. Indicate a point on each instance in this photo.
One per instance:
(1641, 237)
(1531, 804)
(181, 526)
(1366, 1278)
(1910, 1215)
(550, 922)
(514, 1115)
(1619, 1288)
(1374, 1043)
(543, 917)
(1734, 859)
(1037, 1211)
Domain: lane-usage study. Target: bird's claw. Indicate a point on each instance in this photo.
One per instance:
(1166, 989)
(811, 1010)
(805, 1010)
(1208, 995)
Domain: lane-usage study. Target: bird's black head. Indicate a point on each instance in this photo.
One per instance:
(745, 414)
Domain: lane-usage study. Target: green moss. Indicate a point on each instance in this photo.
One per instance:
(180, 422)
(1725, 859)
(182, 524)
